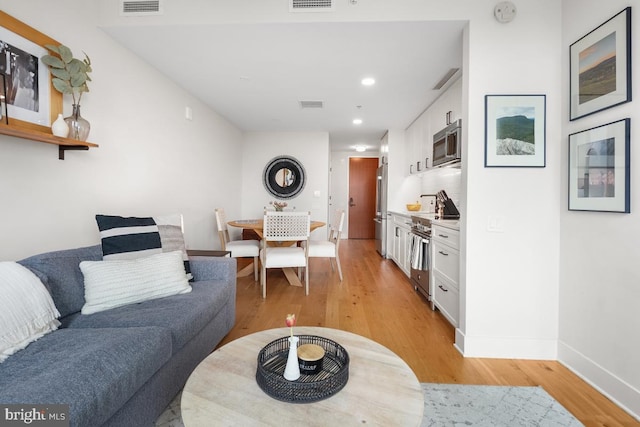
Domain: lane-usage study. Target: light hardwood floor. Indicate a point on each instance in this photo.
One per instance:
(376, 300)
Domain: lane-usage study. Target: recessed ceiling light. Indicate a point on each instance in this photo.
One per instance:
(368, 81)
(360, 148)
(357, 121)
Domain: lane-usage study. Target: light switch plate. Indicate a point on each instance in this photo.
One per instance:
(495, 224)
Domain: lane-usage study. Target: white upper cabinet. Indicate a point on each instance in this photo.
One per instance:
(419, 135)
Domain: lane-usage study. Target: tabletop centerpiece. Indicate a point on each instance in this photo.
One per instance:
(286, 373)
(279, 207)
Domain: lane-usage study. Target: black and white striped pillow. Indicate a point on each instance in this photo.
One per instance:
(139, 237)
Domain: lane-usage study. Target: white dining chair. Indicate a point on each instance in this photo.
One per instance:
(330, 248)
(280, 235)
(238, 248)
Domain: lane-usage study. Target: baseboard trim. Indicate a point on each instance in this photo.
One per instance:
(459, 341)
(617, 390)
(506, 347)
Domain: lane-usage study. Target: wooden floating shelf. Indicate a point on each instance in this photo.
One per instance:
(63, 144)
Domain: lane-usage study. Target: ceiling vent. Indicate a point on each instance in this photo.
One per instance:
(140, 8)
(452, 72)
(311, 104)
(311, 5)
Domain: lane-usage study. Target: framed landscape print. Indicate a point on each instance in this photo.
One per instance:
(600, 68)
(31, 100)
(599, 172)
(515, 130)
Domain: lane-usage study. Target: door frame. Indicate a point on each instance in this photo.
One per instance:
(339, 177)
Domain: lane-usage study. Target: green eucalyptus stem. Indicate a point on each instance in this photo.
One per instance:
(69, 75)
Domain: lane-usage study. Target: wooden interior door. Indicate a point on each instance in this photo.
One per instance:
(362, 197)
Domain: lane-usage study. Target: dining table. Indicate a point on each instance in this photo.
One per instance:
(257, 225)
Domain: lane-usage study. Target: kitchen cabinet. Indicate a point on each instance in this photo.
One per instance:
(449, 104)
(419, 135)
(401, 230)
(416, 136)
(445, 271)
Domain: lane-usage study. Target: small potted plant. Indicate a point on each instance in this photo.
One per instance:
(70, 77)
(278, 206)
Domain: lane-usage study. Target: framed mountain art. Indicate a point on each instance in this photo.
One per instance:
(600, 68)
(515, 128)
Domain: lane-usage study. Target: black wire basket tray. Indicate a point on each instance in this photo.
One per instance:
(272, 360)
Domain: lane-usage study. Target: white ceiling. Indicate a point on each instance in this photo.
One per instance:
(255, 74)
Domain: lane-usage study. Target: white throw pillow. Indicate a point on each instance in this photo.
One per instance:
(27, 311)
(110, 284)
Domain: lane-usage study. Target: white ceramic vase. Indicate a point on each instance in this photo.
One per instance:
(292, 370)
(60, 127)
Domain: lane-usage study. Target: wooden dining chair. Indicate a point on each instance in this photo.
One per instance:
(280, 234)
(329, 248)
(238, 248)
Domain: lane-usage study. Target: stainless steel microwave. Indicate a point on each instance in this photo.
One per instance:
(447, 144)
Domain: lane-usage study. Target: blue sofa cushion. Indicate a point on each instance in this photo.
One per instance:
(97, 370)
(183, 315)
(60, 273)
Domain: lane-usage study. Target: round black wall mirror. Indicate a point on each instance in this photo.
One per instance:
(284, 177)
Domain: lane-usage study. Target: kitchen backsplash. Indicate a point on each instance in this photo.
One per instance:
(447, 179)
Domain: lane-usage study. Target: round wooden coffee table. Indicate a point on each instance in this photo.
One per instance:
(382, 389)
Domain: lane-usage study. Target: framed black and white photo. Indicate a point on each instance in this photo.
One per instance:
(600, 68)
(599, 172)
(3, 105)
(515, 128)
(31, 100)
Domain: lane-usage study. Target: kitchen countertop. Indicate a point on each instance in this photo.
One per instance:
(453, 224)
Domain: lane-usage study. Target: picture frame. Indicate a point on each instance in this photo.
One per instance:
(515, 131)
(600, 67)
(3, 106)
(32, 101)
(599, 168)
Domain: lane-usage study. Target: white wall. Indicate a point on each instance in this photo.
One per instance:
(310, 148)
(151, 161)
(510, 283)
(599, 277)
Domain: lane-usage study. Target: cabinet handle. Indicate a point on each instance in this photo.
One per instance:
(444, 236)
(410, 168)
(443, 289)
(443, 253)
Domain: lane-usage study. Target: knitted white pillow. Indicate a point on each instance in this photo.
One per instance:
(27, 311)
(111, 284)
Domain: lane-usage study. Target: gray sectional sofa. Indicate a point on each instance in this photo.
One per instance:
(123, 366)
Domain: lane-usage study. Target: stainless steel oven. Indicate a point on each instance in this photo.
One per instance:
(420, 254)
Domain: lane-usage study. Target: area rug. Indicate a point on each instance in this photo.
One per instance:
(492, 406)
(466, 405)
